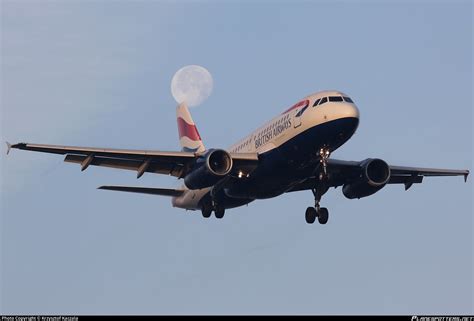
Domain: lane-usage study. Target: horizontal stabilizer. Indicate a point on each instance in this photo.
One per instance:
(144, 190)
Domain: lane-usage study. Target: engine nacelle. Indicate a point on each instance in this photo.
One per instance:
(209, 169)
(375, 173)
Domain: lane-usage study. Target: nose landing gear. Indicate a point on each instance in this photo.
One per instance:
(324, 154)
(321, 213)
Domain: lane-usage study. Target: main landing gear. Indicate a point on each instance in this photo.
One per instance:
(207, 209)
(321, 213)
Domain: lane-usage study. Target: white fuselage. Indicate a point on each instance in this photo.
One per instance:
(280, 130)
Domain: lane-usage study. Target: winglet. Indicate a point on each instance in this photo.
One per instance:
(465, 176)
(9, 147)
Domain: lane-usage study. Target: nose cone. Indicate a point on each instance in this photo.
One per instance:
(348, 111)
(347, 122)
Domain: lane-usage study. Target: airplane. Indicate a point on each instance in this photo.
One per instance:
(289, 153)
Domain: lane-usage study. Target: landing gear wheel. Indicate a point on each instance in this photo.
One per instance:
(219, 211)
(206, 211)
(323, 215)
(310, 215)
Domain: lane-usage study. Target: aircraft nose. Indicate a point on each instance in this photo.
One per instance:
(347, 123)
(348, 111)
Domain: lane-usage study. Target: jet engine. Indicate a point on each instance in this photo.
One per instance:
(375, 173)
(210, 168)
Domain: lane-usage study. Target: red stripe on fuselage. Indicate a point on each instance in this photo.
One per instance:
(300, 104)
(188, 130)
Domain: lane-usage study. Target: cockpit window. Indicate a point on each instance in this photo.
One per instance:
(348, 99)
(316, 102)
(323, 100)
(335, 98)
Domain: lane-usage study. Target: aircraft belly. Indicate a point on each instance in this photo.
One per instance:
(282, 167)
(274, 176)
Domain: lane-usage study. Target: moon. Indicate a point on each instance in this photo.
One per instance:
(191, 84)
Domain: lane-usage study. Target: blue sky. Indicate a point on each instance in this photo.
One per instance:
(98, 73)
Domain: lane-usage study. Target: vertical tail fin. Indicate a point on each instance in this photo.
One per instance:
(189, 137)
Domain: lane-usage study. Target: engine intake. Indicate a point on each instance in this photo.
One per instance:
(375, 174)
(376, 171)
(209, 169)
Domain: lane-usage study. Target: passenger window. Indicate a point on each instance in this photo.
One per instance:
(335, 98)
(316, 102)
(348, 100)
(323, 100)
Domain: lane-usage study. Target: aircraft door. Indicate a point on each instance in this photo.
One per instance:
(297, 117)
(298, 112)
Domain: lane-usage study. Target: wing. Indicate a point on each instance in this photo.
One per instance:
(342, 172)
(410, 175)
(176, 164)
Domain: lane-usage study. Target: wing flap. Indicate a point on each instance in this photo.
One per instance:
(156, 167)
(144, 190)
